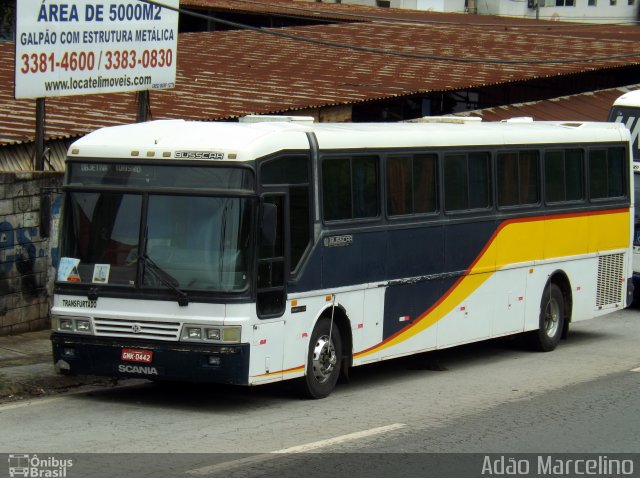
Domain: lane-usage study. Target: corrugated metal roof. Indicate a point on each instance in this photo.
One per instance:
(593, 106)
(21, 156)
(231, 73)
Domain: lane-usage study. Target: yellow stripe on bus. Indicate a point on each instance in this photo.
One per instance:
(521, 241)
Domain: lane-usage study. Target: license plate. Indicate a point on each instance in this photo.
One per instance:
(136, 355)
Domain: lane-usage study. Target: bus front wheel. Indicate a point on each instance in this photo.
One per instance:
(552, 319)
(324, 360)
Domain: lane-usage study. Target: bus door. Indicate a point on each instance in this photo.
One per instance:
(272, 270)
(272, 258)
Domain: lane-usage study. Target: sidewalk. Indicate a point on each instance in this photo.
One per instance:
(26, 368)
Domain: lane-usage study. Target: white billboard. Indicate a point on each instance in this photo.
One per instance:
(79, 47)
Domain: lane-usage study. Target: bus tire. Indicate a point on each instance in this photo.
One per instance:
(552, 319)
(324, 361)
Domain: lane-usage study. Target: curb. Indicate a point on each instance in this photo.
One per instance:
(40, 380)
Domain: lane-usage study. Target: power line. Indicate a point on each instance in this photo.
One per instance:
(382, 51)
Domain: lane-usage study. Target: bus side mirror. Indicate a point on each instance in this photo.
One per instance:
(269, 223)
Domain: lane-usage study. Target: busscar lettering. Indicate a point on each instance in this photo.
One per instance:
(198, 155)
(338, 241)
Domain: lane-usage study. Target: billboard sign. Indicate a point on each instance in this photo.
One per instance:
(79, 47)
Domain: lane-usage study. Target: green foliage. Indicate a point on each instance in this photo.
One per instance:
(7, 20)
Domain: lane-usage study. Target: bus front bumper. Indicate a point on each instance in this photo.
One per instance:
(154, 360)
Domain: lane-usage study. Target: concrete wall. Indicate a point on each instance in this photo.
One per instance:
(456, 6)
(27, 249)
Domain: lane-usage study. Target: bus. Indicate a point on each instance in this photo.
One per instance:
(261, 250)
(626, 110)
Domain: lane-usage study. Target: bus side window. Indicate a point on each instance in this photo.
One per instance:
(411, 184)
(518, 178)
(564, 175)
(467, 181)
(350, 188)
(607, 173)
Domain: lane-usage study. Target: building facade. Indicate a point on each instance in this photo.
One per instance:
(595, 11)
(591, 11)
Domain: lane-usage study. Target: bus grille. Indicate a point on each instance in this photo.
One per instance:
(137, 329)
(610, 279)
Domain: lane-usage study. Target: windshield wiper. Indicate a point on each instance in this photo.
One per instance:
(166, 279)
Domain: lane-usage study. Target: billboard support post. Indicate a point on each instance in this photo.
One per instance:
(143, 106)
(40, 125)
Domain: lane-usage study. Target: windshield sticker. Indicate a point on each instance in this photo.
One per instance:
(68, 270)
(101, 273)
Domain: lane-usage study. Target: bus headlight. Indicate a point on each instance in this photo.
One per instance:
(213, 334)
(219, 334)
(80, 325)
(194, 333)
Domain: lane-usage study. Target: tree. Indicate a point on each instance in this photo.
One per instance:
(7, 20)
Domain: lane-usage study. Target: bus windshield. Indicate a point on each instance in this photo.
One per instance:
(156, 240)
(630, 117)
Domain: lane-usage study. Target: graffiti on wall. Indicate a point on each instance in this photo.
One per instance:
(20, 247)
(18, 254)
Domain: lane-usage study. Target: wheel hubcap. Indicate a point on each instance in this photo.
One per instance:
(552, 318)
(324, 359)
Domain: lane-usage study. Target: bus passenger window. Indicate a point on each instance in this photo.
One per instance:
(564, 175)
(411, 184)
(518, 173)
(466, 181)
(336, 189)
(350, 188)
(607, 173)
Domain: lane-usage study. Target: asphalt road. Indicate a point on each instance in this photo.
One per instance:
(437, 414)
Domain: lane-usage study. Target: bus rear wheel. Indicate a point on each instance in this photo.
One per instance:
(324, 360)
(552, 319)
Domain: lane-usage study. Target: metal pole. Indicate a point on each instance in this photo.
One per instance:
(143, 106)
(40, 114)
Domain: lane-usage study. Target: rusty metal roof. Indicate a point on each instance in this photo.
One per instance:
(227, 74)
(592, 106)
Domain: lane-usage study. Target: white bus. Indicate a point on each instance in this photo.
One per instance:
(256, 252)
(626, 110)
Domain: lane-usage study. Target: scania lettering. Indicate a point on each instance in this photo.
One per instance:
(137, 369)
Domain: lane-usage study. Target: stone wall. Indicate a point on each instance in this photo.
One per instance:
(29, 213)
